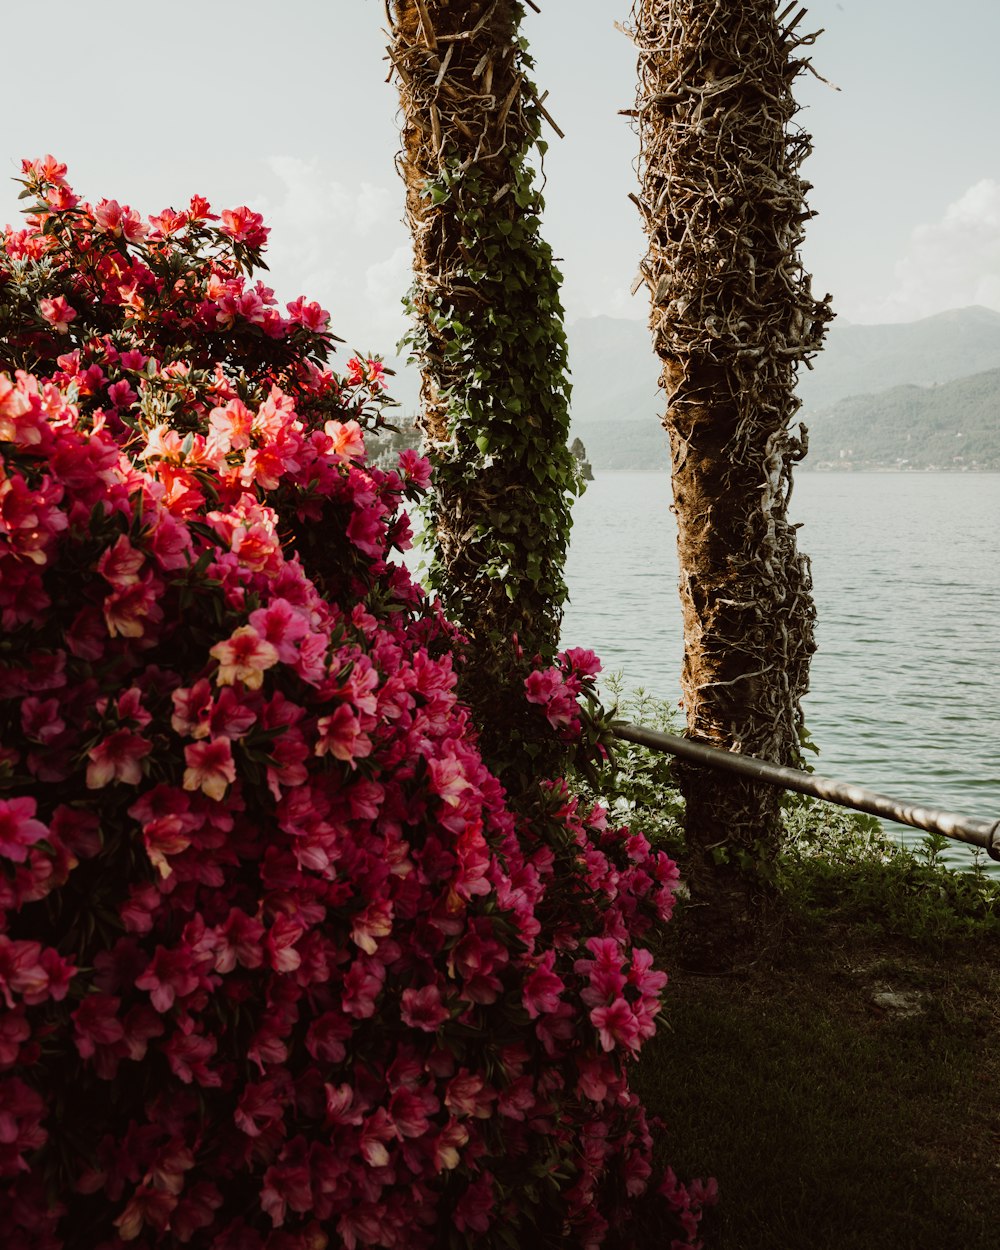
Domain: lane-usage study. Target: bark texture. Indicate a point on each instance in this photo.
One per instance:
(732, 316)
(489, 338)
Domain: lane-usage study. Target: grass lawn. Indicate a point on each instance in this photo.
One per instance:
(846, 1093)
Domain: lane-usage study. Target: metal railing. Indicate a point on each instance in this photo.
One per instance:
(982, 833)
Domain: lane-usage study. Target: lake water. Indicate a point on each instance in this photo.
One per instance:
(905, 686)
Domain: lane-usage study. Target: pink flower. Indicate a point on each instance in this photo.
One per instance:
(474, 1209)
(423, 1008)
(46, 169)
(192, 710)
(199, 209)
(14, 1030)
(371, 924)
(210, 767)
(468, 1094)
(230, 426)
(279, 944)
(616, 1025)
(363, 983)
(542, 988)
(581, 661)
(34, 972)
(96, 1023)
(15, 403)
(41, 719)
(30, 519)
(170, 974)
(448, 779)
(415, 468)
(245, 657)
(119, 220)
(121, 394)
(18, 828)
(148, 1205)
(241, 937)
(167, 223)
(259, 1106)
(22, 1111)
(244, 226)
(340, 735)
(346, 439)
(377, 1130)
(117, 758)
(369, 371)
(309, 314)
(121, 563)
(231, 717)
(282, 625)
(129, 608)
(410, 1110)
(57, 313)
(447, 1145)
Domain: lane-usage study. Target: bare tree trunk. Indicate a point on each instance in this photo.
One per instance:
(732, 316)
(490, 341)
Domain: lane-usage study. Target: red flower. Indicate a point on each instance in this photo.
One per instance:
(210, 767)
(96, 1023)
(18, 828)
(57, 313)
(117, 758)
(423, 1008)
(244, 226)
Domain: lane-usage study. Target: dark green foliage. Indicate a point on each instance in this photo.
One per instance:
(500, 349)
(488, 336)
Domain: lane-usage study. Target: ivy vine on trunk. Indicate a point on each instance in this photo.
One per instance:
(488, 334)
(732, 316)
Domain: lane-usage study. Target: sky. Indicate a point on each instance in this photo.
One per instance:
(285, 107)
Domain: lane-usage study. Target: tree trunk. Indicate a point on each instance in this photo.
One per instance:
(490, 341)
(732, 316)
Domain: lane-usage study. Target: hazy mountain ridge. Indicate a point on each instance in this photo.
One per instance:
(890, 395)
(952, 426)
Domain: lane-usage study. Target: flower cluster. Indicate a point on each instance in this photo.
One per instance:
(557, 689)
(279, 967)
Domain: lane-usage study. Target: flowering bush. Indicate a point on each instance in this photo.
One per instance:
(279, 966)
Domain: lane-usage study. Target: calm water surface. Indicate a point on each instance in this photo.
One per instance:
(905, 694)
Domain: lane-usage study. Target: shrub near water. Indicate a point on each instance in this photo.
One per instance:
(279, 967)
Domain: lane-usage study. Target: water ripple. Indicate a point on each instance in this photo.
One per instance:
(906, 681)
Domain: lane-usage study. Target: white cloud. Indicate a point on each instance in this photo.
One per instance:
(950, 263)
(341, 243)
(386, 282)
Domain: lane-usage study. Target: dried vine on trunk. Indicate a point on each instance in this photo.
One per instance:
(489, 338)
(732, 316)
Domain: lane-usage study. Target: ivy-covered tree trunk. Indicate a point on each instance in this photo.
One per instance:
(732, 316)
(488, 334)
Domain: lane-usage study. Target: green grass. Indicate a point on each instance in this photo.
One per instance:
(830, 1118)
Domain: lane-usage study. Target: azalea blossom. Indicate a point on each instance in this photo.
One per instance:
(340, 927)
(244, 226)
(119, 220)
(346, 439)
(210, 767)
(308, 313)
(58, 313)
(245, 657)
(19, 829)
(117, 757)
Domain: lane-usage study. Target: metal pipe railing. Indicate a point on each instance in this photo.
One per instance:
(983, 833)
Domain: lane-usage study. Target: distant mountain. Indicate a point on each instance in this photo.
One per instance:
(952, 426)
(864, 360)
(617, 404)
